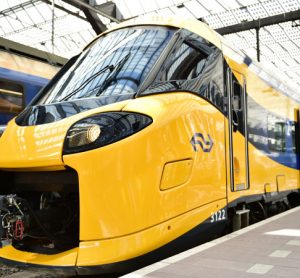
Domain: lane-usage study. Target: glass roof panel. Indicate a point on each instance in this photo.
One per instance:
(273, 7)
(238, 39)
(213, 6)
(163, 3)
(257, 11)
(196, 9)
(138, 7)
(277, 33)
(266, 37)
(166, 12)
(149, 6)
(230, 4)
(45, 10)
(248, 2)
(30, 22)
(214, 20)
(35, 14)
(290, 5)
(5, 25)
(242, 14)
(228, 18)
(182, 11)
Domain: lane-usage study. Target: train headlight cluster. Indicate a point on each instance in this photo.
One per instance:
(103, 129)
(83, 134)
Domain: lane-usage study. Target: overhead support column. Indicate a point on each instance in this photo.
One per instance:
(257, 44)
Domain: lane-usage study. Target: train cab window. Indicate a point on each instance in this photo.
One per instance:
(11, 97)
(114, 65)
(193, 65)
(276, 134)
(186, 64)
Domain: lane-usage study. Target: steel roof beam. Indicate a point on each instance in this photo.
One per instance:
(91, 14)
(91, 8)
(27, 51)
(94, 20)
(14, 9)
(49, 2)
(258, 23)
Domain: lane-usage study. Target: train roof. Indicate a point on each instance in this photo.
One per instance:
(30, 52)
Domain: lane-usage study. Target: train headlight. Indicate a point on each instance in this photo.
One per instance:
(83, 134)
(103, 129)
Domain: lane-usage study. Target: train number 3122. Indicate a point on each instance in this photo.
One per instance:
(218, 216)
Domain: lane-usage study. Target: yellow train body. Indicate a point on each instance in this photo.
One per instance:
(187, 169)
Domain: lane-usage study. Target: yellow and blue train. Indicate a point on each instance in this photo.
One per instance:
(157, 135)
(24, 71)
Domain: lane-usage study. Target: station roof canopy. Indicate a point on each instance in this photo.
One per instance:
(65, 29)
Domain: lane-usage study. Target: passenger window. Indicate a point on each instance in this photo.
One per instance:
(293, 131)
(237, 95)
(237, 105)
(11, 97)
(295, 136)
(276, 134)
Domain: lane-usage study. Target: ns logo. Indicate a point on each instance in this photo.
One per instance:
(205, 144)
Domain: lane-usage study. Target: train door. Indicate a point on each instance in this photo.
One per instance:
(238, 138)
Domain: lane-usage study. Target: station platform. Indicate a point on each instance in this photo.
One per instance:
(270, 248)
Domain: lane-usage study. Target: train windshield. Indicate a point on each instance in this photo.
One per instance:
(115, 64)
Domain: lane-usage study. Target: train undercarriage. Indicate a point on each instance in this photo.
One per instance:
(40, 211)
(246, 213)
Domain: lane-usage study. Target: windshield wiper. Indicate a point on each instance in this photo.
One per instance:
(109, 67)
(111, 77)
(115, 69)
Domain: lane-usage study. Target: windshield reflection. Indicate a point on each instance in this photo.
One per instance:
(137, 48)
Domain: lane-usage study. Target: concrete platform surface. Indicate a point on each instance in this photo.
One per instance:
(270, 248)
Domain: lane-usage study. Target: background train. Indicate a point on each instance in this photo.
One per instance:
(159, 135)
(23, 72)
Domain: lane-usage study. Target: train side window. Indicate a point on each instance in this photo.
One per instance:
(11, 97)
(237, 105)
(186, 64)
(276, 134)
(293, 132)
(237, 94)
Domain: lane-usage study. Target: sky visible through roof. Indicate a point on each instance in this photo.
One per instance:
(30, 22)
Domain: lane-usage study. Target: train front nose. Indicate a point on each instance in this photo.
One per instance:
(39, 198)
(24, 147)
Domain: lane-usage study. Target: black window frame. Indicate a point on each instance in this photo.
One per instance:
(201, 45)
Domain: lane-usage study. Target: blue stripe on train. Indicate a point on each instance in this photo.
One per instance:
(259, 136)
